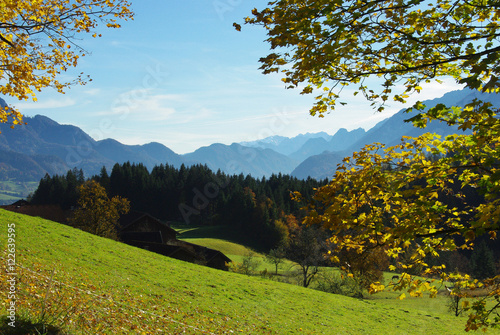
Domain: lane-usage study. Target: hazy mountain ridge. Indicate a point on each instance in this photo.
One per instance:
(44, 140)
(341, 140)
(45, 146)
(389, 132)
(236, 159)
(285, 145)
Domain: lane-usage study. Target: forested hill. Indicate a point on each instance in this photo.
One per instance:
(262, 209)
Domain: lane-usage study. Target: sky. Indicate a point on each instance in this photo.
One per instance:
(181, 75)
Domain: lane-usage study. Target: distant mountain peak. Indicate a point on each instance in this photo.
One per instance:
(389, 132)
(44, 118)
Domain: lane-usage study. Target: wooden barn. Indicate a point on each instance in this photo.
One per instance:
(137, 226)
(144, 231)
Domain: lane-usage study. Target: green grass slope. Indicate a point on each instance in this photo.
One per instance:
(238, 242)
(220, 238)
(85, 284)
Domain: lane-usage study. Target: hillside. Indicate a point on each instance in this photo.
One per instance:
(104, 286)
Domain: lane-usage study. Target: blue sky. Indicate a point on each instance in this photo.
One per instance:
(179, 74)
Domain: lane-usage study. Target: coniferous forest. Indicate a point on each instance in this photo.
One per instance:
(261, 209)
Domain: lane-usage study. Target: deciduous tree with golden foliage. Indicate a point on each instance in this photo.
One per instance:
(38, 42)
(387, 49)
(97, 214)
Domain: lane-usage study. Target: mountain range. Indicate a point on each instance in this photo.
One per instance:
(42, 146)
(389, 132)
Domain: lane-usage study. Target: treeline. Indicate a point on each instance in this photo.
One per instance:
(262, 209)
(59, 189)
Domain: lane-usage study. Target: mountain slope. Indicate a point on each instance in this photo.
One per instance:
(102, 286)
(162, 154)
(14, 165)
(236, 159)
(341, 140)
(285, 145)
(69, 147)
(389, 132)
(319, 166)
(43, 139)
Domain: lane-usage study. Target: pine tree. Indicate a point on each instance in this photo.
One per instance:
(482, 262)
(104, 179)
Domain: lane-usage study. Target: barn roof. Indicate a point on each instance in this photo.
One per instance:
(132, 217)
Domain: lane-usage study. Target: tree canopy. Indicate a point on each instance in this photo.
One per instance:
(428, 194)
(38, 42)
(327, 45)
(96, 212)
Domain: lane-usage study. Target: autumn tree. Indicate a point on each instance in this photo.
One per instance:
(327, 45)
(97, 213)
(386, 50)
(39, 41)
(365, 267)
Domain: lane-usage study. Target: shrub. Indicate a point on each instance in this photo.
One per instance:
(339, 283)
(248, 266)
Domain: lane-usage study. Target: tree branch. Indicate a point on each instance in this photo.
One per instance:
(6, 40)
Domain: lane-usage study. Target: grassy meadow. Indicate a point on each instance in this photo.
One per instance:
(289, 269)
(82, 284)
